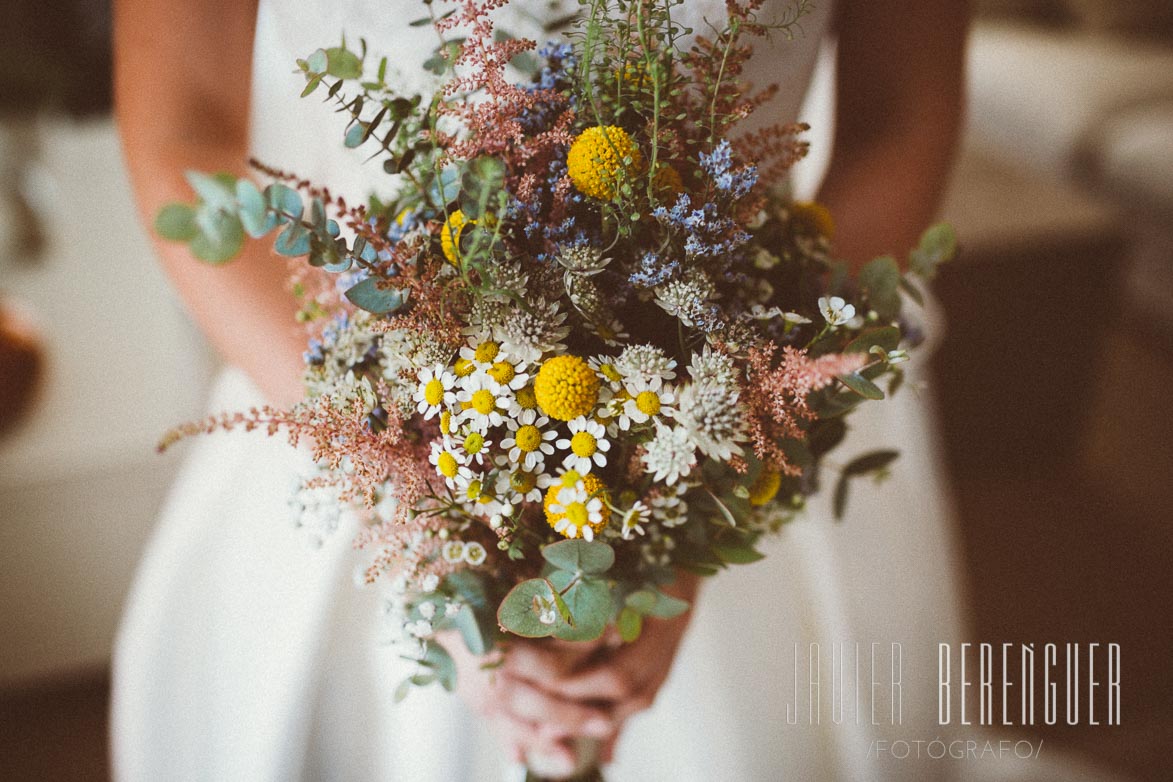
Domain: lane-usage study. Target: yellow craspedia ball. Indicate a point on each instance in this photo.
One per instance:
(765, 488)
(566, 387)
(594, 488)
(666, 183)
(450, 236)
(595, 161)
(814, 217)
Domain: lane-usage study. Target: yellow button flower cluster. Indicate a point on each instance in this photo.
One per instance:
(595, 161)
(566, 388)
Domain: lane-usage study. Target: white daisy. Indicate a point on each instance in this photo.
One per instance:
(580, 512)
(483, 399)
(529, 443)
(448, 459)
(476, 447)
(453, 551)
(520, 486)
(646, 400)
(587, 445)
(634, 519)
(604, 367)
(434, 391)
(474, 553)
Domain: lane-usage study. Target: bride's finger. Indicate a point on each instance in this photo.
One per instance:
(555, 716)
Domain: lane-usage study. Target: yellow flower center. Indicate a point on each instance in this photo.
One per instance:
(814, 217)
(583, 444)
(529, 438)
(464, 367)
(577, 513)
(474, 443)
(473, 492)
(446, 422)
(526, 399)
(483, 401)
(648, 402)
(765, 488)
(610, 372)
(447, 465)
(598, 158)
(523, 481)
(503, 372)
(487, 351)
(566, 388)
(434, 392)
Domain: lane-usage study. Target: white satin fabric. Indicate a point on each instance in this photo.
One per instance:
(248, 654)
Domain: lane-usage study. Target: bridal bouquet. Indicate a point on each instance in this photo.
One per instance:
(589, 341)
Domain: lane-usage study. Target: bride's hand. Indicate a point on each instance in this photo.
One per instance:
(546, 693)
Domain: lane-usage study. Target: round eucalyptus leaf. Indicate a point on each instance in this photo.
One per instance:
(219, 239)
(176, 222)
(580, 555)
(525, 608)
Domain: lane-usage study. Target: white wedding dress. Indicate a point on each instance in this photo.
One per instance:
(248, 654)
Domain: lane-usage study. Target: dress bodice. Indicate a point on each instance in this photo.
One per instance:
(304, 136)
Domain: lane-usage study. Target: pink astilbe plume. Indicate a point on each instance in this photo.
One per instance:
(777, 397)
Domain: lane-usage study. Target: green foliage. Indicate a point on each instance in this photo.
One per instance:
(576, 555)
(938, 244)
(874, 463)
(589, 603)
(861, 385)
(880, 282)
(523, 609)
(376, 296)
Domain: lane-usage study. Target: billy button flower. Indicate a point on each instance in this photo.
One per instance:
(599, 158)
(576, 506)
(450, 234)
(566, 388)
(765, 487)
(813, 218)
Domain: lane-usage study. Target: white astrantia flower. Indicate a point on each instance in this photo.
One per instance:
(687, 299)
(529, 441)
(645, 400)
(588, 445)
(574, 502)
(715, 366)
(486, 400)
(351, 391)
(835, 310)
(435, 391)
(634, 519)
(533, 330)
(474, 553)
(713, 419)
(645, 362)
(670, 455)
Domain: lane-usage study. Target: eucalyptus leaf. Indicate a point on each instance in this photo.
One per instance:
(254, 213)
(343, 63)
(630, 624)
(317, 61)
(938, 244)
(589, 602)
(520, 611)
(887, 337)
(737, 553)
(284, 200)
(443, 666)
(869, 462)
(293, 241)
(861, 385)
(217, 191)
(368, 295)
(475, 638)
(575, 555)
(219, 239)
(880, 279)
(176, 222)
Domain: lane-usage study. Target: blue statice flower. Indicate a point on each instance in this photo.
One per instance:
(315, 355)
(708, 233)
(653, 271)
(718, 164)
(557, 74)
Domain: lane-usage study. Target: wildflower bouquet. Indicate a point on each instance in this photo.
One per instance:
(590, 340)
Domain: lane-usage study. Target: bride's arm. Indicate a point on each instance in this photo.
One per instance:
(181, 80)
(899, 88)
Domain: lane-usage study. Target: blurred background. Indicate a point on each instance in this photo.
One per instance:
(1052, 382)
